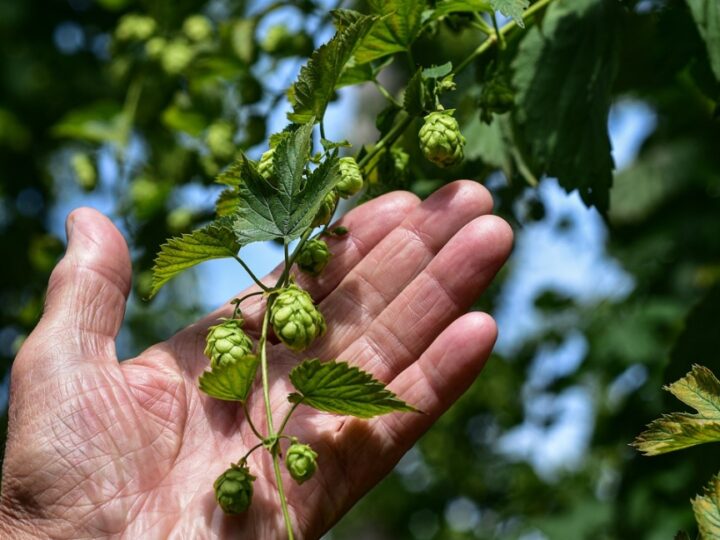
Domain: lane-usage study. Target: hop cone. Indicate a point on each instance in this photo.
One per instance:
(227, 343)
(440, 139)
(497, 98)
(295, 319)
(301, 462)
(265, 165)
(351, 180)
(327, 208)
(234, 489)
(314, 257)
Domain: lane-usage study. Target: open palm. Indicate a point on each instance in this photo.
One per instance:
(98, 448)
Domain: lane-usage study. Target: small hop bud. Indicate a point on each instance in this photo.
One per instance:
(176, 56)
(301, 461)
(197, 28)
(327, 209)
(314, 257)
(351, 180)
(295, 319)
(497, 97)
(234, 489)
(227, 343)
(265, 165)
(440, 139)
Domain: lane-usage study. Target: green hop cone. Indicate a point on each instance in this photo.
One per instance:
(176, 56)
(227, 343)
(265, 165)
(135, 27)
(440, 139)
(197, 28)
(295, 319)
(351, 180)
(314, 257)
(234, 489)
(301, 461)
(327, 209)
(219, 139)
(497, 97)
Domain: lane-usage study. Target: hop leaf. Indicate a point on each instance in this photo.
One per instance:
(231, 381)
(234, 489)
(351, 180)
(314, 257)
(440, 139)
(227, 343)
(295, 319)
(301, 462)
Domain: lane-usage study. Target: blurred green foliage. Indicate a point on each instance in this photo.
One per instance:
(134, 100)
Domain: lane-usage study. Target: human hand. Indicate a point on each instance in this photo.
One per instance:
(98, 448)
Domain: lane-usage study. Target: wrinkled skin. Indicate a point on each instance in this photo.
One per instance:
(101, 449)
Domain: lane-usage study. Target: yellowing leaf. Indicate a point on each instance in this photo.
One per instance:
(707, 510)
(699, 389)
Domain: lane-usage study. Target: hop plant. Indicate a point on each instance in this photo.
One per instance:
(155, 47)
(198, 28)
(219, 139)
(265, 165)
(280, 41)
(234, 489)
(440, 139)
(327, 209)
(497, 97)
(295, 319)
(134, 27)
(176, 56)
(351, 180)
(301, 461)
(314, 257)
(227, 343)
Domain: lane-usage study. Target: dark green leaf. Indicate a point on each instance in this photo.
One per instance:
(215, 241)
(707, 17)
(231, 381)
(446, 7)
(285, 209)
(394, 31)
(317, 80)
(415, 99)
(338, 388)
(563, 77)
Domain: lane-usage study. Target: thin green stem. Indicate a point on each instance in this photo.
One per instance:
(251, 274)
(500, 37)
(287, 417)
(492, 39)
(386, 94)
(281, 492)
(390, 137)
(252, 425)
(247, 454)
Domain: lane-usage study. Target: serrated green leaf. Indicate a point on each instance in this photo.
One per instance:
(230, 382)
(699, 389)
(227, 202)
(563, 74)
(446, 7)
(342, 18)
(285, 209)
(511, 8)
(707, 510)
(214, 241)
(399, 24)
(707, 17)
(232, 175)
(339, 388)
(317, 80)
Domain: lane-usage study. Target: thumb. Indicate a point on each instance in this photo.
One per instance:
(86, 297)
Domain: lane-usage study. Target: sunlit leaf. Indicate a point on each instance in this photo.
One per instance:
(511, 8)
(215, 241)
(336, 387)
(395, 30)
(231, 381)
(699, 389)
(707, 510)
